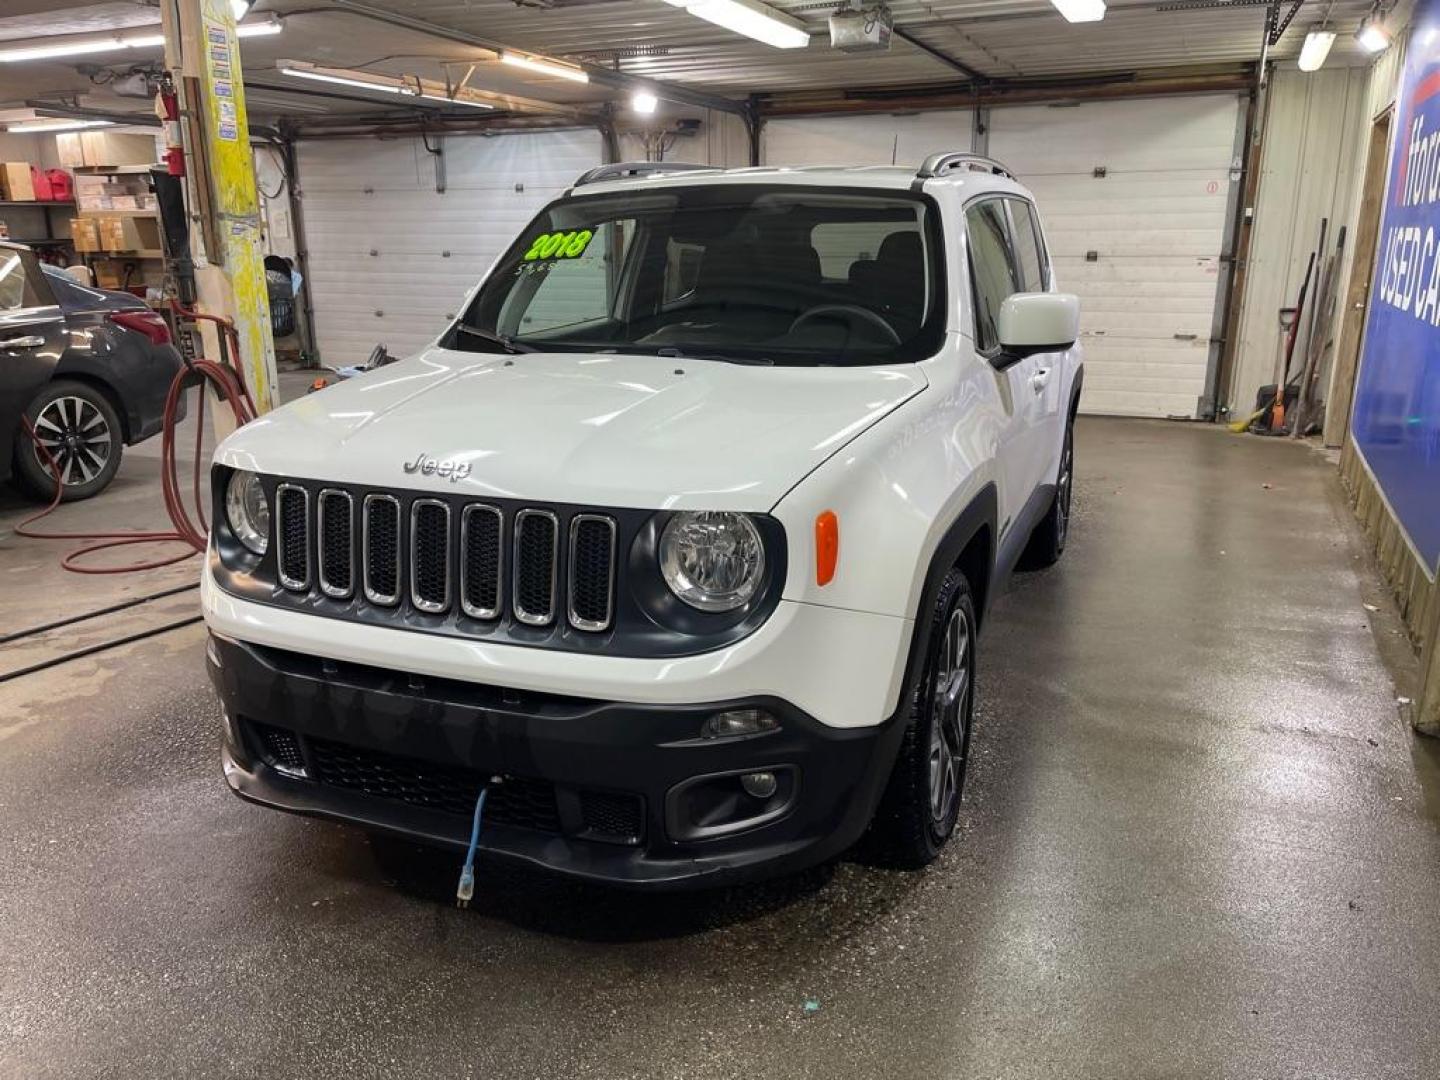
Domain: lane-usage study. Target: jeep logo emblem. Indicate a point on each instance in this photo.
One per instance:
(426, 465)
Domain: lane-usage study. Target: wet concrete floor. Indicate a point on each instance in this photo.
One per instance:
(1198, 840)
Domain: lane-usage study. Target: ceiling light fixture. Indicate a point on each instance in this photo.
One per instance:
(542, 66)
(1078, 11)
(260, 28)
(240, 8)
(644, 102)
(53, 127)
(1316, 49)
(405, 86)
(752, 19)
(143, 37)
(1372, 35)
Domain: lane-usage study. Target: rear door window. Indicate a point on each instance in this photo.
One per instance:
(1029, 247)
(993, 273)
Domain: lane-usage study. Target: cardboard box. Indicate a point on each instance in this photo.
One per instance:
(15, 184)
(67, 146)
(110, 148)
(107, 275)
(128, 233)
(85, 234)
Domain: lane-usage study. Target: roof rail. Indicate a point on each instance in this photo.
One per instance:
(949, 160)
(621, 169)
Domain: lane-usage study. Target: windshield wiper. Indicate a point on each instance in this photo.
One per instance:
(505, 342)
(724, 358)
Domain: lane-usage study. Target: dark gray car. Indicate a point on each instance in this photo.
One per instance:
(90, 369)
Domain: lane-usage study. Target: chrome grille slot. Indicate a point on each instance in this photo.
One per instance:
(292, 513)
(482, 558)
(430, 555)
(382, 549)
(335, 512)
(536, 555)
(592, 572)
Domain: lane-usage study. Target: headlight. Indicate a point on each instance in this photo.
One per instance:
(712, 560)
(247, 511)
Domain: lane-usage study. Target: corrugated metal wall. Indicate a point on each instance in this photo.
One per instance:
(1315, 132)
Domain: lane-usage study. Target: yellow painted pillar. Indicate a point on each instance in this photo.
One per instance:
(203, 55)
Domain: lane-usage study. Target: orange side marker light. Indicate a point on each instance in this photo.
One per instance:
(827, 546)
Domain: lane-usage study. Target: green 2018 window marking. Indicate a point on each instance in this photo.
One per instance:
(559, 245)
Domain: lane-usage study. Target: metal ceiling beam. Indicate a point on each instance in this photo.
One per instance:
(937, 54)
(963, 96)
(617, 80)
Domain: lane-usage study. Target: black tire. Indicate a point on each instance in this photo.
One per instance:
(1047, 541)
(918, 811)
(83, 435)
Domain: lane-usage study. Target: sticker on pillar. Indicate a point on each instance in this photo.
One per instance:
(224, 89)
(227, 131)
(215, 32)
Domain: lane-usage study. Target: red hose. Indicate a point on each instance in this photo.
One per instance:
(229, 384)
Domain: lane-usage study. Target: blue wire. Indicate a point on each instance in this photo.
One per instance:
(466, 889)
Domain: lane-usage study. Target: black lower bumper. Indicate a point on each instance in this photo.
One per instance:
(621, 793)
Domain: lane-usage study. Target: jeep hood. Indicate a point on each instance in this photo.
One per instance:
(596, 429)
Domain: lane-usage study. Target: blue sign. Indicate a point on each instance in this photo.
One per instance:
(1397, 396)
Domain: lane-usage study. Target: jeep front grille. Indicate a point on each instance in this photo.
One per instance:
(382, 550)
(530, 567)
(337, 544)
(482, 559)
(430, 555)
(535, 558)
(292, 512)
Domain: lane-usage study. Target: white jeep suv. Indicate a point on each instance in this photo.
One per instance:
(676, 543)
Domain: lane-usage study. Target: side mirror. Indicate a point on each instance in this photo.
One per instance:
(1031, 323)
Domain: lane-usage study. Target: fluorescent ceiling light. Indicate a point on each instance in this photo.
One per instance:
(643, 102)
(457, 101)
(1316, 49)
(1372, 35)
(1080, 10)
(542, 66)
(37, 127)
(751, 18)
(385, 84)
(144, 37)
(261, 28)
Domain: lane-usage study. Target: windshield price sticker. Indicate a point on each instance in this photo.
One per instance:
(559, 245)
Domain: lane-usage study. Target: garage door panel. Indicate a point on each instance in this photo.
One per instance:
(494, 186)
(1142, 134)
(1156, 223)
(352, 165)
(1134, 242)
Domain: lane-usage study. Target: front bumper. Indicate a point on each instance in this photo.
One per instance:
(599, 790)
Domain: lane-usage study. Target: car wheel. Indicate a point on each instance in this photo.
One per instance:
(1047, 541)
(78, 427)
(921, 804)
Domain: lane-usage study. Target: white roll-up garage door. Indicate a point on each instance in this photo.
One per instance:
(1133, 195)
(391, 258)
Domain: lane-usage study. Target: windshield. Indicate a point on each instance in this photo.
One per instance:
(749, 273)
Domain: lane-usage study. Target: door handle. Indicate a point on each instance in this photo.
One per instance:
(1040, 380)
(27, 341)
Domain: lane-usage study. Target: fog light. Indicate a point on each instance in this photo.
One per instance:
(759, 785)
(738, 722)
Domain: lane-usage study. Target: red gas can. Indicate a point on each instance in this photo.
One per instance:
(62, 186)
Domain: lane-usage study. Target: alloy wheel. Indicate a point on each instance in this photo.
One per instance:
(1062, 490)
(949, 728)
(77, 436)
